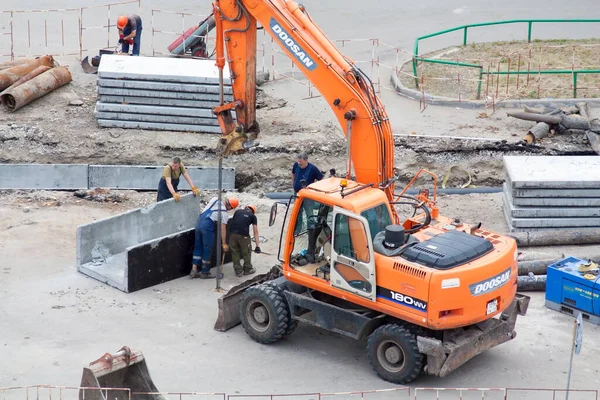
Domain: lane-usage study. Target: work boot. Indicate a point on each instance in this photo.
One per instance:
(207, 275)
(194, 274)
(250, 271)
(238, 273)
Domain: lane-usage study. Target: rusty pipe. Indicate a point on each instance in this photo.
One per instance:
(549, 119)
(37, 71)
(13, 74)
(37, 87)
(10, 64)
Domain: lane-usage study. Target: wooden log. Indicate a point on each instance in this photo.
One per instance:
(557, 237)
(549, 119)
(537, 283)
(537, 132)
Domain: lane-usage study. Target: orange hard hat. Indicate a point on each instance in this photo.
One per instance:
(233, 202)
(252, 207)
(122, 21)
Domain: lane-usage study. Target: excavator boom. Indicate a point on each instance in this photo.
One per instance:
(347, 90)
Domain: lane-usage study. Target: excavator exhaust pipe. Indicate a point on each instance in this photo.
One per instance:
(125, 369)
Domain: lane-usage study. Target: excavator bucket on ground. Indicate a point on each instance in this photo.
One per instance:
(229, 303)
(125, 370)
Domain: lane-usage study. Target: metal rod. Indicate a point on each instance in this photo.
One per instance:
(529, 25)
(571, 361)
(465, 36)
(219, 192)
(348, 147)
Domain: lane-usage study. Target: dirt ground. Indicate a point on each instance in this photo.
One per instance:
(520, 57)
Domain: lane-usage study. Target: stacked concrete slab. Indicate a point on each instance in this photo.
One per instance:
(173, 94)
(551, 192)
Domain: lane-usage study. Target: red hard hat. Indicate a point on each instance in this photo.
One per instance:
(233, 202)
(122, 21)
(252, 207)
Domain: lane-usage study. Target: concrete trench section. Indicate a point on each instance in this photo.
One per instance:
(142, 247)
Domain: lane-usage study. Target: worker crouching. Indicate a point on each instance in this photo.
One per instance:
(130, 33)
(240, 242)
(206, 229)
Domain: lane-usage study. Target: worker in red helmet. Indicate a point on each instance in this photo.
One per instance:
(206, 232)
(130, 33)
(240, 242)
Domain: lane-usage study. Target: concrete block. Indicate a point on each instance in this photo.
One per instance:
(161, 95)
(113, 235)
(208, 104)
(548, 212)
(147, 177)
(553, 172)
(556, 193)
(155, 110)
(552, 202)
(182, 70)
(554, 223)
(107, 123)
(158, 118)
(162, 86)
(43, 176)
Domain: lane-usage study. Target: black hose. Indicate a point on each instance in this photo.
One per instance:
(424, 207)
(287, 195)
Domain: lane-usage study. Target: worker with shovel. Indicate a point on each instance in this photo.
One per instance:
(206, 230)
(169, 181)
(130, 33)
(240, 242)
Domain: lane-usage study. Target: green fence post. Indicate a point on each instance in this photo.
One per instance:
(479, 84)
(574, 85)
(414, 62)
(530, 23)
(465, 36)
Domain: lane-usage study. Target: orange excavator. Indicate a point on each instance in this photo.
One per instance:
(429, 292)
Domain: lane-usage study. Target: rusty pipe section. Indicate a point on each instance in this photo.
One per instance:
(11, 75)
(37, 71)
(35, 88)
(20, 61)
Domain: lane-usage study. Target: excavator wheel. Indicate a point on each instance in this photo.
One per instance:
(292, 323)
(394, 355)
(264, 314)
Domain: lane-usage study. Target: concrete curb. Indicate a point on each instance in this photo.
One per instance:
(84, 176)
(475, 104)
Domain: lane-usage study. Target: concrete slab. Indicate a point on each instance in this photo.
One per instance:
(548, 212)
(182, 70)
(553, 172)
(552, 202)
(160, 95)
(107, 123)
(146, 177)
(556, 193)
(159, 118)
(208, 104)
(140, 109)
(110, 236)
(43, 176)
(554, 223)
(163, 86)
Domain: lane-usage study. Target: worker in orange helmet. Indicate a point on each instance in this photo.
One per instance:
(206, 232)
(240, 242)
(130, 33)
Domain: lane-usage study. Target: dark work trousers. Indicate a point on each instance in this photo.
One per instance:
(204, 240)
(163, 190)
(241, 247)
(137, 41)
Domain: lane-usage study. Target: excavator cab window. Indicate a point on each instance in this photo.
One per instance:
(312, 235)
(378, 218)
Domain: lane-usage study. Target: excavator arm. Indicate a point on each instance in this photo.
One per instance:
(348, 91)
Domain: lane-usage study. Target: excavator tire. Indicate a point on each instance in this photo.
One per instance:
(292, 323)
(394, 355)
(264, 314)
